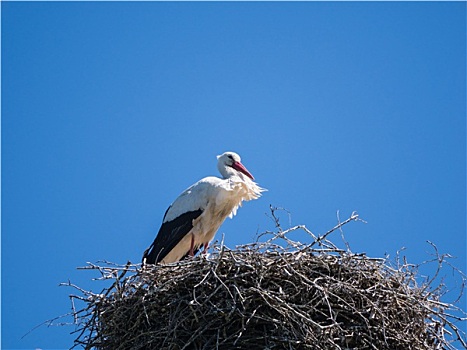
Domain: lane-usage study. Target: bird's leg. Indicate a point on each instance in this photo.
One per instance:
(205, 248)
(192, 253)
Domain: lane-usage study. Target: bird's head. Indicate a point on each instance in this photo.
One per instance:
(229, 164)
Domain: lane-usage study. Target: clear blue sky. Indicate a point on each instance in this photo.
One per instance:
(110, 110)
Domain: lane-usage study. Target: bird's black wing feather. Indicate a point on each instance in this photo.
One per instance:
(170, 234)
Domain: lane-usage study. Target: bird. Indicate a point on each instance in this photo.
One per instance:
(193, 219)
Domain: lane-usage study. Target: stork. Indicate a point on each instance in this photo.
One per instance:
(195, 216)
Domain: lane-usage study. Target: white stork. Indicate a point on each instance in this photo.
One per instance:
(196, 215)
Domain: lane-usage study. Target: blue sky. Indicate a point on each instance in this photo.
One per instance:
(110, 110)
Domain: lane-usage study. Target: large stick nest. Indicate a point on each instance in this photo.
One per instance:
(267, 296)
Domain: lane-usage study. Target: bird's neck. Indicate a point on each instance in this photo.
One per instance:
(229, 173)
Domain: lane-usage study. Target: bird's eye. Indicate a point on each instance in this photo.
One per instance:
(230, 156)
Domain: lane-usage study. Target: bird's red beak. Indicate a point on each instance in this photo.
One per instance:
(240, 167)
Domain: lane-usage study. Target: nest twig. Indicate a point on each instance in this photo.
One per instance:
(267, 296)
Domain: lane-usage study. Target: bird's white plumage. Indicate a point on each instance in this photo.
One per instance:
(224, 192)
(219, 199)
(216, 198)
